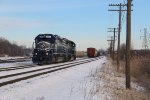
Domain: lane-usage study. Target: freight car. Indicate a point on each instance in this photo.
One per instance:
(49, 48)
(92, 52)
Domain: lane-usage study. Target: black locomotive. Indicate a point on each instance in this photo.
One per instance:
(51, 48)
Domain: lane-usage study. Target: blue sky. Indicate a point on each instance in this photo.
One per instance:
(83, 21)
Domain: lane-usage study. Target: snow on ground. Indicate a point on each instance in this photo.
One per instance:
(107, 84)
(26, 63)
(66, 84)
(13, 64)
(96, 80)
(8, 58)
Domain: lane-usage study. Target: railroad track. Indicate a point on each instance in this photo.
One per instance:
(18, 60)
(14, 60)
(27, 66)
(17, 67)
(18, 76)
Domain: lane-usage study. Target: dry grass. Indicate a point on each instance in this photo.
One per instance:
(108, 84)
(140, 70)
(105, 83)
(80, 54)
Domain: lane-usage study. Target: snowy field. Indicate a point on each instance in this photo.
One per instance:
(68, 84)
(8, 58)
(97, 80)
(13, 64)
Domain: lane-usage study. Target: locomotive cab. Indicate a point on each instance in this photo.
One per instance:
(43, 51)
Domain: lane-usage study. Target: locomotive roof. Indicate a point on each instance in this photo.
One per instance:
(44, 35)
(54, 36)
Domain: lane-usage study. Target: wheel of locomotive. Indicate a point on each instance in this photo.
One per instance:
(50, 58)
(55, 58)
(64, 58)
(39, 63)
(74, 57)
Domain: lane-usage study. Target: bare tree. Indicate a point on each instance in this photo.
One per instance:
(12, 49)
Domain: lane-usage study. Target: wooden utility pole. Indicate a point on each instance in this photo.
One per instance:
(128, 38)
(111, 46)
(119, 29)
(114, 39)
(128, 44)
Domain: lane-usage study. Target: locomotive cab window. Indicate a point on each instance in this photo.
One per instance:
(49, 40)
(44, 41)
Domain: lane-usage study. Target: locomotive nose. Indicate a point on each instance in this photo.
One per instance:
(45, 55)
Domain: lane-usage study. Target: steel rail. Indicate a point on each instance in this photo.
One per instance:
(59, 67)
(25, 66)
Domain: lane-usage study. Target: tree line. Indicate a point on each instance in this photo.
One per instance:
(12, 49)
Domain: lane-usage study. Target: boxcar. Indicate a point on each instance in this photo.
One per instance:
(91, 52)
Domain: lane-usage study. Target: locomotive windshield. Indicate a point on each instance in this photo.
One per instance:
(48, 39)
(44, 41)
(43, 45)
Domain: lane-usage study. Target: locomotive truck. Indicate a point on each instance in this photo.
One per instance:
(49, 48)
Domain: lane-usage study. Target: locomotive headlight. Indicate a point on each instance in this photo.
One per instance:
(47, 53)
(46, 49)
(35, 53)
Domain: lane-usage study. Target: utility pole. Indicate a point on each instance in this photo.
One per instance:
(128, 38)
(114, 38)
(119, 30)
(128, 44)
(110, 48)
(111, 45)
